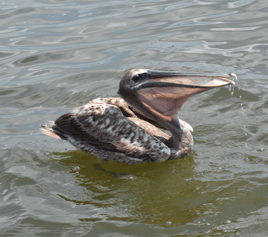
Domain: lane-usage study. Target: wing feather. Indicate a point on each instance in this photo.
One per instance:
(104, 126)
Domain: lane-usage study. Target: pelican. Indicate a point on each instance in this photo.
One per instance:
(127, 129)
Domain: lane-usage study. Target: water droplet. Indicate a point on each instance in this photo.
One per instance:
(228, 221)
(76, 168)
(231, 89)
(169, 223)
(261, 149)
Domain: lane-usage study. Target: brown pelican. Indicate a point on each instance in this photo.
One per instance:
(126, 130)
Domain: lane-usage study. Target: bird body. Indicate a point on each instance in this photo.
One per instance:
(125, 130)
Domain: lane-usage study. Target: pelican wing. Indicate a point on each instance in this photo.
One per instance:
(101, 126)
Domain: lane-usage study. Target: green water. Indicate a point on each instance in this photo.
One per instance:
(58, 54)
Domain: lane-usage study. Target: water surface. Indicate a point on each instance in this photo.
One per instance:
(58, 54)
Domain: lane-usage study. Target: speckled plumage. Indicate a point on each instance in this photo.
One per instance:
(99, 123)
(124, 129)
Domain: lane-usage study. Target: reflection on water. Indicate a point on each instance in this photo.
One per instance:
(58, 54)
(136, 190)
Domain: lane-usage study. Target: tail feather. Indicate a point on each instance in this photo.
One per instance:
(50, 129)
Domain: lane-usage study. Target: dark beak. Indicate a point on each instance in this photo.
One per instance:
(159, 95)
(165, 92)
(174, 79)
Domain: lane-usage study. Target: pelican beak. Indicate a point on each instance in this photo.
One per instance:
(165, 92)
(174, 79)
(160, 95)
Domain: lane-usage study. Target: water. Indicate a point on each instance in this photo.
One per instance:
(57, 54)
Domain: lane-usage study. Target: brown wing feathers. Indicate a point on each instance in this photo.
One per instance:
(102, 126)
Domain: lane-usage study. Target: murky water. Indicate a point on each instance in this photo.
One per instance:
(57, 54)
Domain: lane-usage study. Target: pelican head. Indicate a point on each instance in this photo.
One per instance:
(159, 95)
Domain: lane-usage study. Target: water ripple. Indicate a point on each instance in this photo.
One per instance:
(57, 54)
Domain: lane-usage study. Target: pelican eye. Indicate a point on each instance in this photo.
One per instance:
(139, 77)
